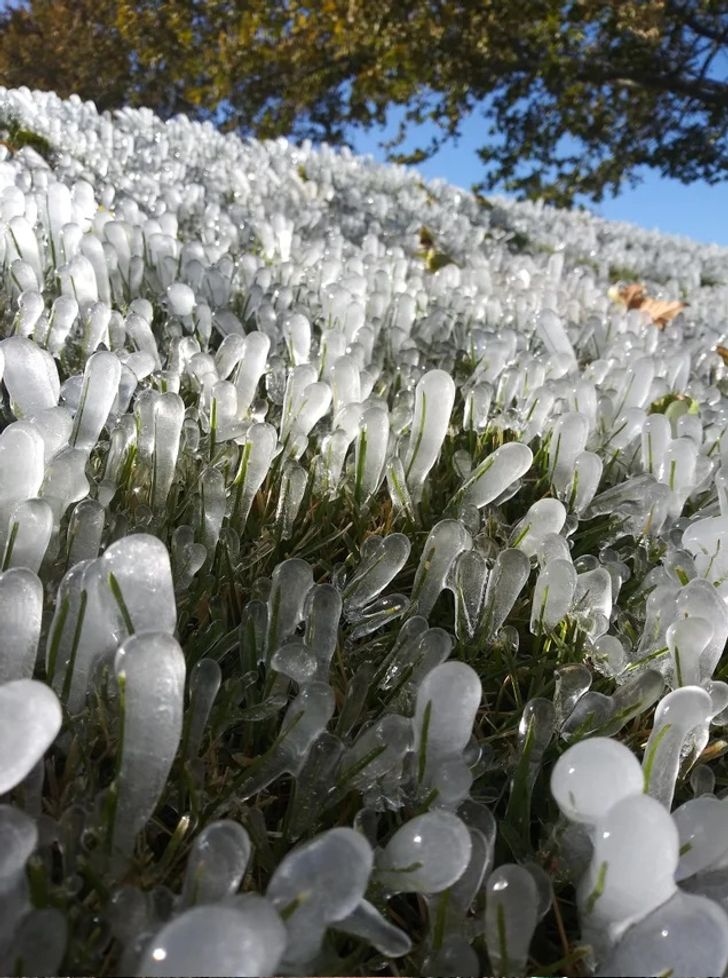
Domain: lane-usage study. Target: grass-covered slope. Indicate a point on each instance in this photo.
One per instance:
(337, 506)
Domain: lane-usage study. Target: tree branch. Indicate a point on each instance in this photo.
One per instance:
(679, 11)
(706, 91)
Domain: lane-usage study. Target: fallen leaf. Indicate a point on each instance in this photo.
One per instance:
(714, 750)
(437, 259)
(426, 239)
(662, 311)
(634, 296)
(433, 259)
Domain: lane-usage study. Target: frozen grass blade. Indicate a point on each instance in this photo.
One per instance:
(150, 672)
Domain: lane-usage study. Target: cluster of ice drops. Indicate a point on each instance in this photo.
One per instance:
(217, 356)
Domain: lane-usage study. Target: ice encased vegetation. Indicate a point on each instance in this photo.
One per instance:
(322, 559)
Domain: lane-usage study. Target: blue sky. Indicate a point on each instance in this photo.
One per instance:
(696, 210)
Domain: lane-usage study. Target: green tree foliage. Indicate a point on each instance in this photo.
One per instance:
(66, 46)
(629, 82)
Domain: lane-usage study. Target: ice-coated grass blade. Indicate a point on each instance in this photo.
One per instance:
(21, 612)
(256, 455)
(101, 378)
(511, 915)
(593, 775)
(553, 595)
(291, 582)
(30, 530)
(679, 734)
(322, 614)
(632, 868)
(205, 681)
(306, 910)
(425, 855)
(382, 558)
(468, 578)
(217, 940)
(150, 672)
(446, 541)
(368, 924)
(507, 578)
(216, 863)
(492, 477)
(434, 399)
(30, 718)
(30, 376)
(447, 702)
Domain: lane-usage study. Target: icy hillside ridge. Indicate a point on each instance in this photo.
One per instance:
(341, 515)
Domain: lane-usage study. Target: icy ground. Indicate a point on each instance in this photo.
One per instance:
(364, 568)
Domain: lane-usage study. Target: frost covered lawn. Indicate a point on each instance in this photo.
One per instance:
(364, 555)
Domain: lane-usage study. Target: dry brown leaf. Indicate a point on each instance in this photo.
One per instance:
(714, 750)
(661, 311)
(632, 295)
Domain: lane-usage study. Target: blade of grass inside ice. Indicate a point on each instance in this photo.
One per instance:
(31, 528)
(506, 581)
(291, 582)
(322, 614)
(679, 734)
(216, 864)
(382, 558)
(256, 456)
(553, 595)
(294, 480)
(169, 413)
(308, 911)
(434, 399)
(446, 540)
(101, 377)
(370, 454)
(150, 671)
(21, 611)
(425, 855)
(492, 477)
(205, 682)
(305, 719)
(511, 915)
(535, 732)
(467, 581)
